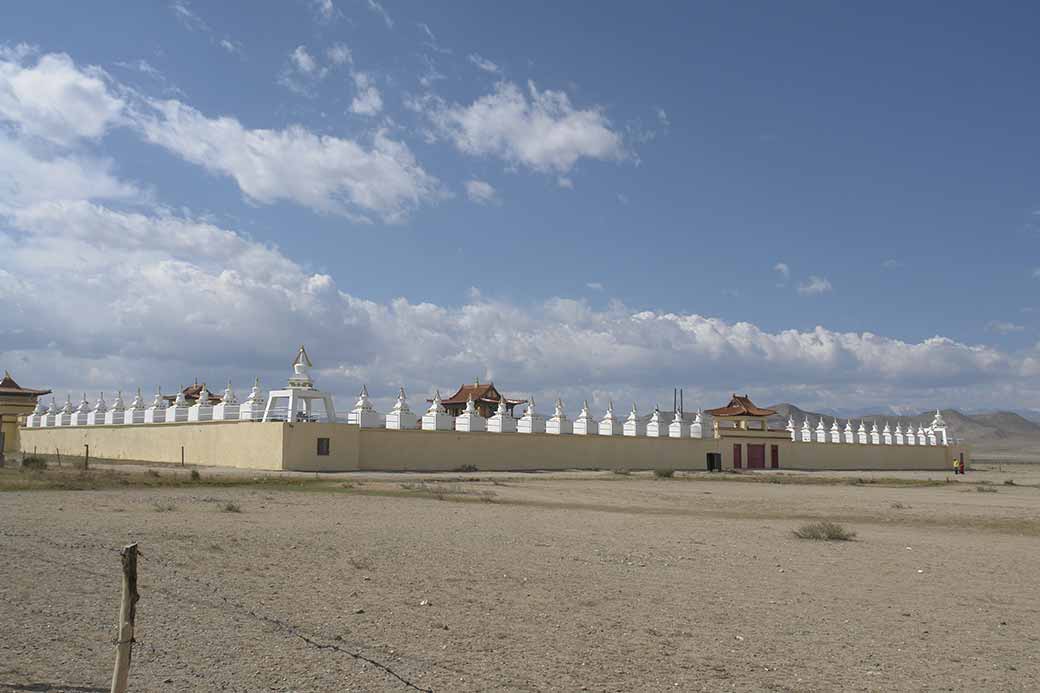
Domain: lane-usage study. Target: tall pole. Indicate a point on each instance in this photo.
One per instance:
(127, 613)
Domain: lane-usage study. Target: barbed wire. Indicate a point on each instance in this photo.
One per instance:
(311, 639)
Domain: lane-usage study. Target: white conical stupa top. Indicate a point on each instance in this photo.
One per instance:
(402, 403)
(363, 403)
(179, 400)
(138, 403)
(101, 406)
(899, 427)
(874, 428)
(848, 425)
(501, 411)
(938, 421)
(887, 428)
(697, 419)
(255, 395)
(530, 413)
(634, 414)
(558, 409)
(834, 426)
(819, 426)
(118, 405)
(805, 424)
(40, 410)
(656, 416)
(471, 409)
(53, 409)
(436, 407)
(862, 426)
(158, 402)
(584, 413)
(203, 400)
(67, 407)
(229, 395)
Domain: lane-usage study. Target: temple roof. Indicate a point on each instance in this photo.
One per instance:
(480, 392)
(191, 393)
(740, 406)
(10, 388)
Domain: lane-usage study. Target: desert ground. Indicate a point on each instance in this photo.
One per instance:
(523, 582)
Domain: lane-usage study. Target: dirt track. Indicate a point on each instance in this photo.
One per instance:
(626, 584)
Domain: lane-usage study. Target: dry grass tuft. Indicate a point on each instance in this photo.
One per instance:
(824, 531)
(230, 507)
(664, 473)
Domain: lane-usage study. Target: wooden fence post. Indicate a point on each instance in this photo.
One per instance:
(182, 455)
(58, 453)
(86, 457)
(127, 612)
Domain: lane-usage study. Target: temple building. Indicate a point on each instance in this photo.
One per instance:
(485, 400)
(742, 420)
(15, 402)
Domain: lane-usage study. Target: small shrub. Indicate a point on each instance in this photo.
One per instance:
(900, 506)
(33, 462)
(230, 507)
(469, 468)
(163, 506)
(824, 531)
(664, 473)
(1009, 482)
(985, 489)
(153, 473)
(195, 476)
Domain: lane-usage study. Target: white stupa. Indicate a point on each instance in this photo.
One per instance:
(202, 410)
(609, 424)
(806, 431)
(156, 411)
(228, 409)
(861, 433)
(558, 423)
(700, 428)
(850, 435)
(678, 427)
(177, 412)
(254, 406)
(116, 413)
(470, 421)
(35, 419)
(875, 434)
(911, 438)
(835, 431)
(64, 416)
(900, 440)
(134, 414)
(52, 412)
(657, 426)
(531, 421)
(401, 417)
(502, 421)
(821, 431)
(886, 434)
(295, 403)
(922, 437)
(436, 417)
(585, 424)
(96, 417)
(635, 425)
(790, 428)
(363, 415)
(939, 429)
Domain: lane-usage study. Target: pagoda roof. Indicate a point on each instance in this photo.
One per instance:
(192, 392)
(12, 389)
(480, 392)
(740, 406)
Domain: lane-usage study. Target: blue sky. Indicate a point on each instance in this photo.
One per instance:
(832, 205)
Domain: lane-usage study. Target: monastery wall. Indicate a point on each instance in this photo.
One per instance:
(276, 446)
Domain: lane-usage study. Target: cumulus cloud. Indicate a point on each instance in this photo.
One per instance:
(339, 54)
(814, 286)
(541, 130)
(55, 100)
(481, 192)
(325, 10)
(368, 101)
(327, 174)
(595, 286)
(784, 270)
(484, 64)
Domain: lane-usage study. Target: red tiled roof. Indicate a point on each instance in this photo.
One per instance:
(9, 387)
(740, 406)
(481, 392)
(191, 393)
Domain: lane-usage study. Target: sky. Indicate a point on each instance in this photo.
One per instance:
(813, 202)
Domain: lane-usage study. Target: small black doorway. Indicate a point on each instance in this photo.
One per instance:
(714, 461)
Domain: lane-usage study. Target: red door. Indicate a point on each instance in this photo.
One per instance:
(737, 456)
(756, 456)
(774, 457)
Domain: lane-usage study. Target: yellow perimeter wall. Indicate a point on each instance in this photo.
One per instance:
(285, 446)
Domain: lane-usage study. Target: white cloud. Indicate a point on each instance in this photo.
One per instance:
(368, 100)
(432, 39)
(325, 10)
(381, 11)
(188, 17)
(565, 182)
(55, 100)
(891, 264)
(783, 269)
(143, 66)
(327, 174)
(814, 286)
(623, 198)
(1036, 273)
(232, 47)
(481, 192)
(1002, 327)
(339, 54)
(537, 129)
(484, 64)
(595, 286)
(662, 117)
(303, 61)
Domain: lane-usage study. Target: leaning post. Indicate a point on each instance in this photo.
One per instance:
(127, 612)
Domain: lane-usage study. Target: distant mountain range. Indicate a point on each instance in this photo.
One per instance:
(1000, 435)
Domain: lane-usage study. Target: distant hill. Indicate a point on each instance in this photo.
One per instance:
(1000, 435)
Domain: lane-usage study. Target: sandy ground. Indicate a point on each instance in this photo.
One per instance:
(549, 582)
